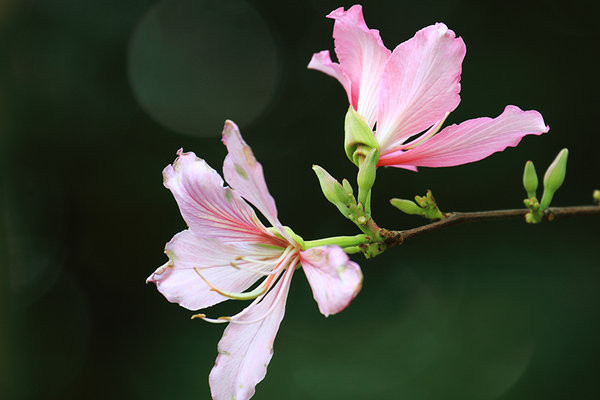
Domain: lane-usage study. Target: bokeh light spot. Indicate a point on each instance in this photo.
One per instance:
(193, 64)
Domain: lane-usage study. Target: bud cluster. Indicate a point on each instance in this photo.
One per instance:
(553, 179)
(425, 206)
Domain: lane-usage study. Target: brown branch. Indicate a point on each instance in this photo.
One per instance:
(394, 238)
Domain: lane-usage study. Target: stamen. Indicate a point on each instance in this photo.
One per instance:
(247, 269)
(290, 270)
(233, 295)
(287, 278)
(261, 289)
(265, 262)
(220, 320)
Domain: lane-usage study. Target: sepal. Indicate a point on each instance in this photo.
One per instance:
(359, 139)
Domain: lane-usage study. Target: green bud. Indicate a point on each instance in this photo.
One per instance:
(407, 206)
(421, 200)
(596, 196)
(347, 187)
(359, 139)
(554, 177)
(333, 190)
(366, 174)
(530, 179)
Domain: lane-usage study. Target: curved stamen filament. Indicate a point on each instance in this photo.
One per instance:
(263, 262)
(287, 277)
(234, 319)
(237, 295)
(278, 269)
(242, 267)
(261, 289)
(220, 320)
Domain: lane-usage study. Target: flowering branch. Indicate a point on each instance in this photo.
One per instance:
(228, 253)
(394, 238)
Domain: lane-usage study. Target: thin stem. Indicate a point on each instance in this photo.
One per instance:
(342, 241)
(393, 238)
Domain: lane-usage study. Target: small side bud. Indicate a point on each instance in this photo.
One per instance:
(359, 139)
(530, 179)
(596, 196)
(426, 204)
(333, 190)
(421, 201)
(554, 177)
(407, 207)
(347, 187)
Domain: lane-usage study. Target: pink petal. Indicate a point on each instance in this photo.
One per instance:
(321, 61)
(420, 84)
(333, 278)
(362, 56)
(472, 140)
(246, 349)
(179, 282)
(245, 175)
(210, 209)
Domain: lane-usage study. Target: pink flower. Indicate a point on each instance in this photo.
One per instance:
(227, 249)
(411, 90)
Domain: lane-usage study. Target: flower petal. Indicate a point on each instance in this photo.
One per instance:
(420, 84)
(471, 140)
(179, 280)
(362, 56)
(333, 278)
(245, 175)
(210, 209)
(321, 61)
(246, 349)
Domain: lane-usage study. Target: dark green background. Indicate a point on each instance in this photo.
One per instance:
(499, 310)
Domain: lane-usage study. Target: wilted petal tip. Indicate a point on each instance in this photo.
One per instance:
(229, 129)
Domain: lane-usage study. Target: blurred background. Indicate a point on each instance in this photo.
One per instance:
(97, 96)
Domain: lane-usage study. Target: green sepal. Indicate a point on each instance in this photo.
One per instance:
(296, 238)
(359, 139)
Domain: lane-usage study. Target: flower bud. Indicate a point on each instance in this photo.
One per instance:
(421, 201)
(359, 139)
(366, 174)
(347, 186)
(530, 179)
(596, 196)
(333, 190)
(554, 177)
(407, 206)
